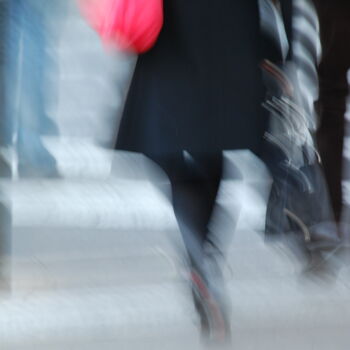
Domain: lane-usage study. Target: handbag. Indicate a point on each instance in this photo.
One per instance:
(129, 25)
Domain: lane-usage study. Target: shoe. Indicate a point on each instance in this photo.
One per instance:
(215, 326)
(32, 171)
(41, 165)
(5, 163)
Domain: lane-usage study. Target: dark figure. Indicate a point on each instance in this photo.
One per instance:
(299, 208)
(196, 93)
(334, 16)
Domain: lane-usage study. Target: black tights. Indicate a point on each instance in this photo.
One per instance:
(195, 180)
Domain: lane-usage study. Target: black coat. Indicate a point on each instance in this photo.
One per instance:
(199, 88)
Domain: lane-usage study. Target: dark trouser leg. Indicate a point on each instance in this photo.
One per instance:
(335, 34)
(195, 181)
(330, 138)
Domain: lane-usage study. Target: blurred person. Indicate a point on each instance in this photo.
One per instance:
(299, 206)
(334, 16)
(198, 92)
(5, 169)
(29, 32)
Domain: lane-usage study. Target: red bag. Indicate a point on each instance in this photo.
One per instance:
(131, 25)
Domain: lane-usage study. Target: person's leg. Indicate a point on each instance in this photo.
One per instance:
(6, 131)
(5, 126)
(26, 76)
(53, 13)
(5, 164)
(195, 181)
(194, 195)
(334, 24)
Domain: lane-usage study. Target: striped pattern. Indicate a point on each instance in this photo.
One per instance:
(301, 67)
(306, 53)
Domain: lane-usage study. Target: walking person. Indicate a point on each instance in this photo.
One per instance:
(198, 92)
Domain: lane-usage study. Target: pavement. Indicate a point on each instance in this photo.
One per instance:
(97, 264)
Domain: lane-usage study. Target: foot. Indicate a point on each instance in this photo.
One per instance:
(215, 325)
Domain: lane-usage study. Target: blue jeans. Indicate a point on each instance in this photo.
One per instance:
(27, 62)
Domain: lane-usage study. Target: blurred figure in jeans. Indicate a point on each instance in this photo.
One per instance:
(27, 62)
(5, 171)
(5, 168)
